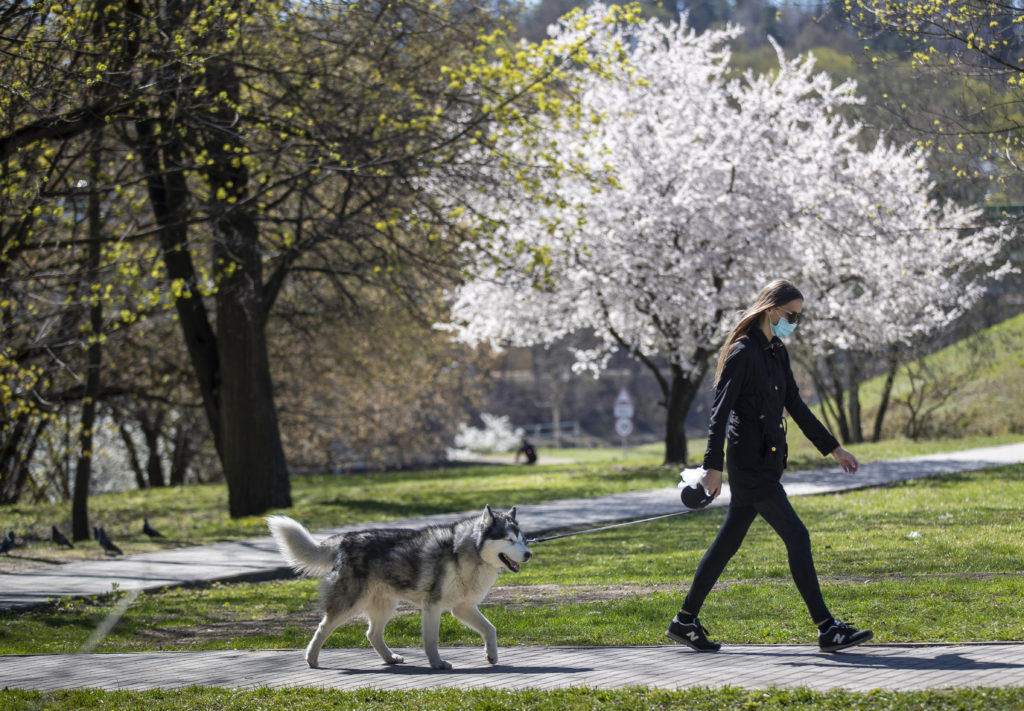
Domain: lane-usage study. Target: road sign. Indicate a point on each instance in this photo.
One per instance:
(623, 404)
(623, 427)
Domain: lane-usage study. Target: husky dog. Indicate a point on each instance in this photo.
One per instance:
(438, 569)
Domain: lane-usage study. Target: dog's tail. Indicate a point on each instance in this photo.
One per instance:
(299, 548)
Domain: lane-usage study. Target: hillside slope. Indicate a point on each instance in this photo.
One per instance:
(973, 387)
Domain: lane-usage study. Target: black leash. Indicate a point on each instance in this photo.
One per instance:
(604, 528)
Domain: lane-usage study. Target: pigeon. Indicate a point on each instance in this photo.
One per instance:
(7, 543)
(105, 542)
(149, 530)
(59, 538)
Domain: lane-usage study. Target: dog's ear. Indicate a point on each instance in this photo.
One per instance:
(512, 513)
(488, 516)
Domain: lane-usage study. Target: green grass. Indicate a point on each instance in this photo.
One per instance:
(985, 376)
(197, 515)
(699, 699)
(936, 560)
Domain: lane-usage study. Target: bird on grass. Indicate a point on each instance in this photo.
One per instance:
(7, 543)
(149, 530)
(59, 538)
(105, 542)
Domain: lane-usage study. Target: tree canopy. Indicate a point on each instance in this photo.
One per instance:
(677, 195)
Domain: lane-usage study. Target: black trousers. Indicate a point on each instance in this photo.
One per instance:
(778, 512)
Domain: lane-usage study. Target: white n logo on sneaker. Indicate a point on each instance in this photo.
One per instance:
(839, 638)
(693, 636)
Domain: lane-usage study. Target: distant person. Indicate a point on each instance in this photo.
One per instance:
(527, 449)
(753, 383)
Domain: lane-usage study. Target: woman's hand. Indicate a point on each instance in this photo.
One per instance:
(846, 460)
(712, 482)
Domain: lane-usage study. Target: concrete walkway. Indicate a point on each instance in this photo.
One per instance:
(258, 559)
(864, 668)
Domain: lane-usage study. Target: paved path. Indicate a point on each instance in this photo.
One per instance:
(898, 668)
(258, 559)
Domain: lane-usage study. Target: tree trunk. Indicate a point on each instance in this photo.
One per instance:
(883, 406)
(837, 395)
(181, 455)
(83, 473)
(151, 432)
(16, 453)
(10, 455)
(681, 394)
(24, 466)
(168, 198)
(133, 456)
(253, 455)
(825, 405)
(856, 431)
(855, 366)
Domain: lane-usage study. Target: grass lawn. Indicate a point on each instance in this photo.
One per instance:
(936, 560)
(983, 376)
(197, 515)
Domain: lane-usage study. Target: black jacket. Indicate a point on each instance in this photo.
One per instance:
(756, 384)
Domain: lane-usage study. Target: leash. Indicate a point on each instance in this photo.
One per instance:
(605, 528)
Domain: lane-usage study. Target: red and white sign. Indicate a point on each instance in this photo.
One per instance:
(623, 427)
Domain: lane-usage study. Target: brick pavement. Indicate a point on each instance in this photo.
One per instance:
(889, 667)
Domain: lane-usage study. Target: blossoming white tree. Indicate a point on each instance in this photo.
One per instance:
(673, 191)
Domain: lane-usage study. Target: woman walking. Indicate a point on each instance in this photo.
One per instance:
(753, 384)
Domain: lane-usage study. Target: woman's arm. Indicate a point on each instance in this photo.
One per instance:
(734, 376)
(810, 425)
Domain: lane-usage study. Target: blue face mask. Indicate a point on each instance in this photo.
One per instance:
(783, 328)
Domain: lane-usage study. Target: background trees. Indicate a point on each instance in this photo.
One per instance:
(223, 225)
(254, 154)
(678, 195)
(249, 142)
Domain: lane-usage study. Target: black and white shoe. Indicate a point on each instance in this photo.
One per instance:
(692, 634)
(841, 635)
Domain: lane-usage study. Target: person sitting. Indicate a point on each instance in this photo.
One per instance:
(527, 449)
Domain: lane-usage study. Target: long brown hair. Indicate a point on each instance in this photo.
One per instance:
(777, 293)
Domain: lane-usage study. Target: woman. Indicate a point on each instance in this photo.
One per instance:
(753, 383)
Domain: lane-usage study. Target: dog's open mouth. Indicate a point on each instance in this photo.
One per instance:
(509, 563)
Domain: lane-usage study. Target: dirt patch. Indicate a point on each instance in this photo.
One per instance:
(226, 630)
(517, 596)
(233, 627)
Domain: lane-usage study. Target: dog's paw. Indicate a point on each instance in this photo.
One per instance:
(313, 662)
(395, 659)
(441, 664)
(493, 658)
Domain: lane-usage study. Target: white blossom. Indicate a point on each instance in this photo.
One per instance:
(657, 212)
(497, 435)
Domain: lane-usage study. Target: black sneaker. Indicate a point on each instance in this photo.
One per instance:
(692, 634)
(841, 635)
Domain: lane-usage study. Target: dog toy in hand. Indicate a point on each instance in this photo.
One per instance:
(693, 494)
